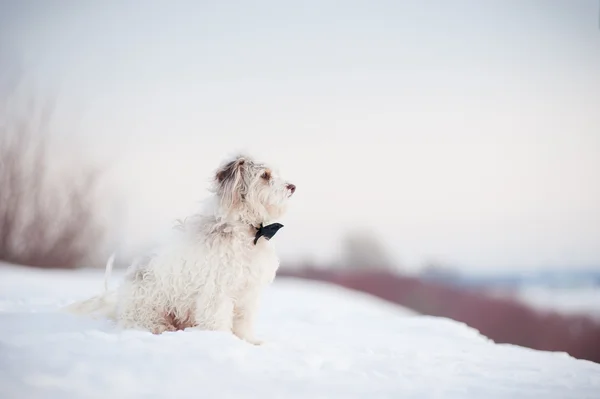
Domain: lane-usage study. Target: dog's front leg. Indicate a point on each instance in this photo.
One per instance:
(243, 318)
(214, 313)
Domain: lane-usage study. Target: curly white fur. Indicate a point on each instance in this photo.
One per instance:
(212, 275)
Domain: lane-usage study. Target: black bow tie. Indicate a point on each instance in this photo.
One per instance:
(266, 231)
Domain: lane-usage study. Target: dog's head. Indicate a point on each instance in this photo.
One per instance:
(251, 191)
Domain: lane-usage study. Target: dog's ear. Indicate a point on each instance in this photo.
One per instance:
(231, 182)
(229, 171)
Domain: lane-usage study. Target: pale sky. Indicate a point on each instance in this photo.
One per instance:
(461, 131)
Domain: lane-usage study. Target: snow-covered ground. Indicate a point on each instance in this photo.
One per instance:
(322, 342)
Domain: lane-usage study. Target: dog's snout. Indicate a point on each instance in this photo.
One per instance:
(291, 187)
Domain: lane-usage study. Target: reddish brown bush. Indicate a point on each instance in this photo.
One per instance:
(502, 320)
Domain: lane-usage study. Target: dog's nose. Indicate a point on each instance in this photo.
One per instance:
(291, 187)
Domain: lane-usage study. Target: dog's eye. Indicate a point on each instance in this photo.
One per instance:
(266, 175)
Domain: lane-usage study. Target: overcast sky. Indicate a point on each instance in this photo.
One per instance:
(461, 131)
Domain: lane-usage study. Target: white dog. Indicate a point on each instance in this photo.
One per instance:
(212, 275)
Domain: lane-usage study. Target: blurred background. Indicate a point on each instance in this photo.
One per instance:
(446, 153)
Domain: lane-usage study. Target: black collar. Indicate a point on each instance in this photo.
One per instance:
(266, 231)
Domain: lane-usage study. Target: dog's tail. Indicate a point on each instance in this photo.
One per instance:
(102, 305)
(108, 271)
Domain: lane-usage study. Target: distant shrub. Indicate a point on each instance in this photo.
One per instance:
(47, 214)
(362, 249)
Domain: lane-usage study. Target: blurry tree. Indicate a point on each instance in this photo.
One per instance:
(47, 216)
(362, 249)
(435, 270)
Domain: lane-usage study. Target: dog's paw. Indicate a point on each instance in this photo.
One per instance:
(254, 341)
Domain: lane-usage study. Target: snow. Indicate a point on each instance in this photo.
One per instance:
(322, 342)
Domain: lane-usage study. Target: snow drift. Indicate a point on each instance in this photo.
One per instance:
(322, 342)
